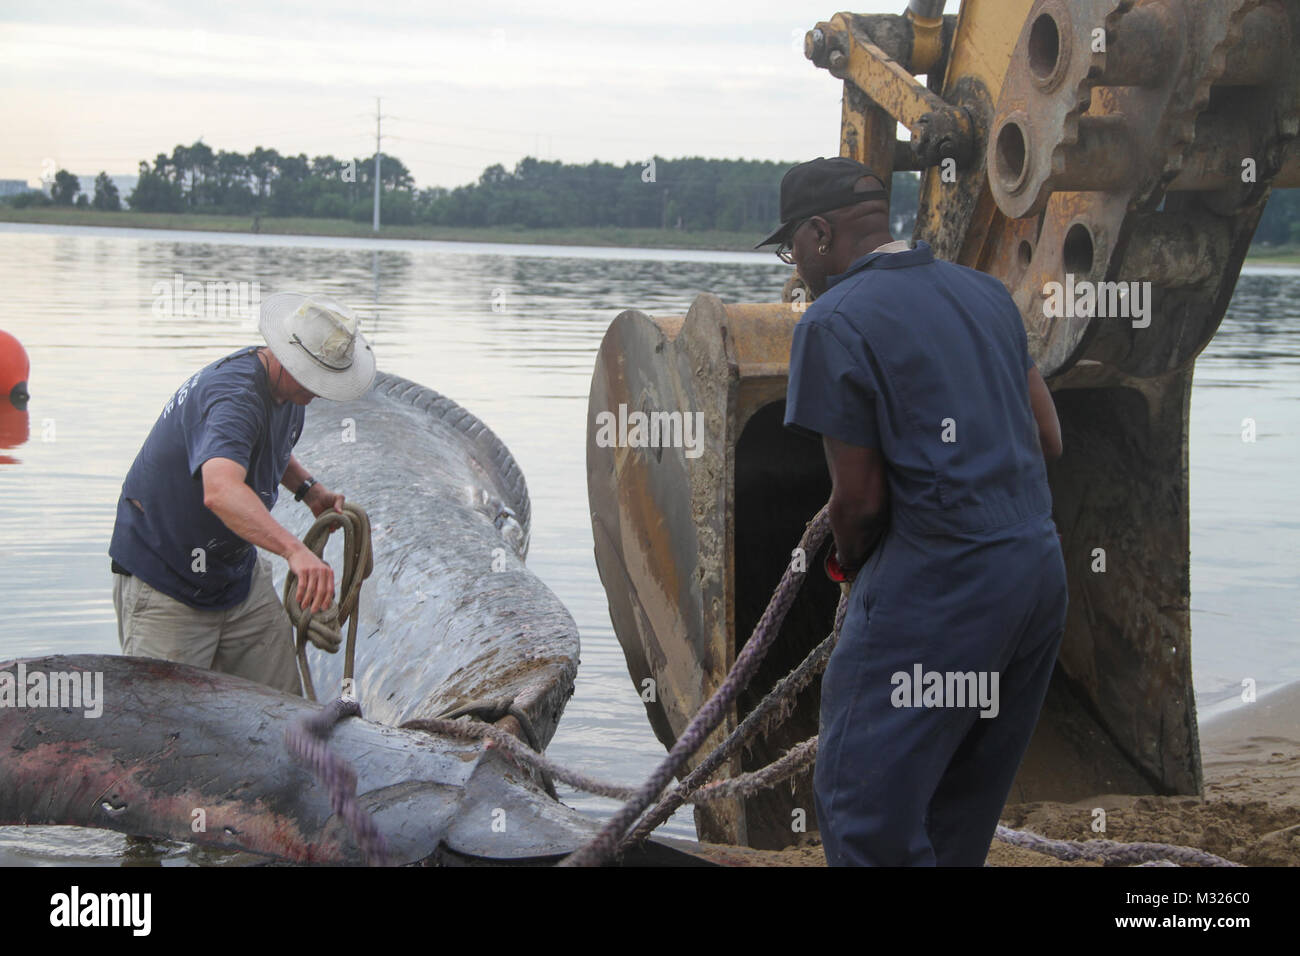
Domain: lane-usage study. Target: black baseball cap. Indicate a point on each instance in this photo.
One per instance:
(818, 186)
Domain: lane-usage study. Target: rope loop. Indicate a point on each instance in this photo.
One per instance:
(325, 629)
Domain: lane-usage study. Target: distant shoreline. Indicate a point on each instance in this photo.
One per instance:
(303, 226)
(576, 236)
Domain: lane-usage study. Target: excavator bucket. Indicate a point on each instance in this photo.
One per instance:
(1109, 162)
(691, 539)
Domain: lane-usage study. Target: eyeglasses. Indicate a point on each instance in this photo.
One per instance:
(785, 251)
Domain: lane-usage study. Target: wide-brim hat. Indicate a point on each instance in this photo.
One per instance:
(818, 186)
(319, 343)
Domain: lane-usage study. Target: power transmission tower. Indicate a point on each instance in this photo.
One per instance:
(377, 139)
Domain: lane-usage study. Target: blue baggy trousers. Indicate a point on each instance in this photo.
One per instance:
(905, 778)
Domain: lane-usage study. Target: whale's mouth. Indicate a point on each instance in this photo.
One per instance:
(781, 482)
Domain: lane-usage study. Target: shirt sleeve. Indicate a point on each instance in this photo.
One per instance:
(828, 392)
(225, 425)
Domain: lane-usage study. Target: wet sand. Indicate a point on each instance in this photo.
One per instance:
(1249, 813)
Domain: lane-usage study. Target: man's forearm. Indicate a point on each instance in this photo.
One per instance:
(242, 511)
(294, 475)
(859, 505)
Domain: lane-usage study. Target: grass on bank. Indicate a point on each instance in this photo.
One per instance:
(303, 226)
(1274, 256)
(586, 236)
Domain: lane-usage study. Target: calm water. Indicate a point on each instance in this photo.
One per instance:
(511, 332)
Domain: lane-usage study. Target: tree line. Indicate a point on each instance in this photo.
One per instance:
(64, 190)
(692, 193)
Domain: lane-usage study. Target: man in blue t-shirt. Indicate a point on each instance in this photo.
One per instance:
(935, 424)
(189, 585)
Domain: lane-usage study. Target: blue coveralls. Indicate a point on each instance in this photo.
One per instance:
(927, 362)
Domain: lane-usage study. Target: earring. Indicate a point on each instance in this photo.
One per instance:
(823, 248)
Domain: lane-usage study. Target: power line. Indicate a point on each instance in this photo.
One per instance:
(446, 145)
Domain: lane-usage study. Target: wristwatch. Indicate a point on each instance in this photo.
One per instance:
(305, 487)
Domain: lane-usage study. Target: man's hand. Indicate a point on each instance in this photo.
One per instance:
(320, 500)
(315, 579)
(835, 571)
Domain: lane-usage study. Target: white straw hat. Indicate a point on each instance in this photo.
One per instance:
(318, 342)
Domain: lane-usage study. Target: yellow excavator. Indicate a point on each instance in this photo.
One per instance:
(1057, 141)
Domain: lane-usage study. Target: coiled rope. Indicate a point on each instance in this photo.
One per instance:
(324, 628)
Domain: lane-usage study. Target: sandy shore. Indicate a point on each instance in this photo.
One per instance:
(1250, 811)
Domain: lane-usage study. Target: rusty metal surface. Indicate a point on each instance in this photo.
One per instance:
(657, 518)
(959, 217)
(1044, 97)
(1100, 145)
(686, 579)
(938, 130)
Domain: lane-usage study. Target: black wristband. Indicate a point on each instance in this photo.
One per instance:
(305, 487)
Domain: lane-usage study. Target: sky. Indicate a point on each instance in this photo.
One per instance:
(98, 86)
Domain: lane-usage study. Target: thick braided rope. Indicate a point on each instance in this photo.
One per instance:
(519, 752)
(307, 742)
(325, 629)
(796, 759)
(1110, 852)
(604, 847)
(746, 784)
(770, 713)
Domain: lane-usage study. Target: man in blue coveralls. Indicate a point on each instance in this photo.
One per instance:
(935, 424)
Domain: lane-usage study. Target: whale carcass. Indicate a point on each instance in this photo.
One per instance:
(451, 615)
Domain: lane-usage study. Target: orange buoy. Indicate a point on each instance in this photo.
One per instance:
(14, 429)
(14, 369)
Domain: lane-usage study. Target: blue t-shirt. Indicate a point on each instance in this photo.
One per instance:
(926, 361)
(174, 542)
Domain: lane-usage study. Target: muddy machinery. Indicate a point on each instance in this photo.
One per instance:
(1057, 141)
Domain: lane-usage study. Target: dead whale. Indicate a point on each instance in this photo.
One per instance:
(451, 615)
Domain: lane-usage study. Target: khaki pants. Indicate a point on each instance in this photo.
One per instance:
(253, 639)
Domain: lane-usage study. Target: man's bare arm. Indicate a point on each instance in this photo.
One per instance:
(1044, 409)
(294, 475)
(319, 498)
(859, 499)
(242, 511)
